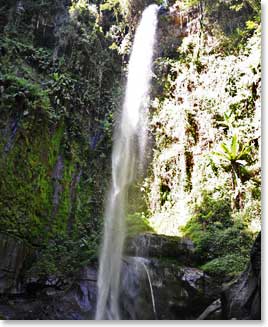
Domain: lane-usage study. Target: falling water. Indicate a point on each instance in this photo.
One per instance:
(151, 287)
(127, 157)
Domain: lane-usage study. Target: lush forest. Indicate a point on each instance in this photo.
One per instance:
(63, 70)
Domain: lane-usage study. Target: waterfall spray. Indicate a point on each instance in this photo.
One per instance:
(128, 151)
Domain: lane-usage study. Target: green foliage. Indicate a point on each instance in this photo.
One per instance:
(113, 5)
(62, 256)
(137, 223)
(59, 88)
(235, 156)
(211, 211)
(20, 92)
(229, 265)
(235, 152)
(206, 122)
(231, 20)
(222, 241)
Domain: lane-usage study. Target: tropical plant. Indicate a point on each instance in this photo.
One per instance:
(234, 156)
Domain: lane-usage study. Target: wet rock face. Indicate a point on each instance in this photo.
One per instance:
(153, 245)
(159, 280)
(14, 254)
(242, 299)
(24, 296)
(77, 302)
(157, 289)
(161, 287)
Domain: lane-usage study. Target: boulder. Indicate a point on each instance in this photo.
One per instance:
(242, 299)
(74, 303)
(164, 289)
(153, 245)
(156, 286)
(79, 302)
(212, 312)
(14, 254)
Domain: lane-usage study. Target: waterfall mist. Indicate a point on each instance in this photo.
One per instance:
(127, 157)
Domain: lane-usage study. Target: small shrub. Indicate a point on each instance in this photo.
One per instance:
(210, 211)
(223, 243)
(137, 223)
(228, 265)
(62, 256)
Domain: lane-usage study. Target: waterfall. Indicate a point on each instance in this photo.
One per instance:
(151, 288)
(127, 157)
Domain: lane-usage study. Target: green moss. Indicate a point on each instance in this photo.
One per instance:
(229, 265)
(61, 217)
(137, 223)
(221, 240)
(59, 106)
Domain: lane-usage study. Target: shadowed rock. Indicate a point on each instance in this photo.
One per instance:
(242, 299)
(153, 245)
(13, 256)
(163, 289)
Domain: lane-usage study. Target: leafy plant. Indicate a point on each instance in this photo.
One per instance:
(217, 234)
(229, 265)
(137, 223)
(234, 156)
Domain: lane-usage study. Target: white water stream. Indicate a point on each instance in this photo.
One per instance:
(127, 157)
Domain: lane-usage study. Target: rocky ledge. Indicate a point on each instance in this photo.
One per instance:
(150, 245)
(154, 285)
(241, 298)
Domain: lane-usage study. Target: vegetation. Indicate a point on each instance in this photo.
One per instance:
(205, 172)
(137, 224)
(222, 241)
(61, 76)
(59, 89)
